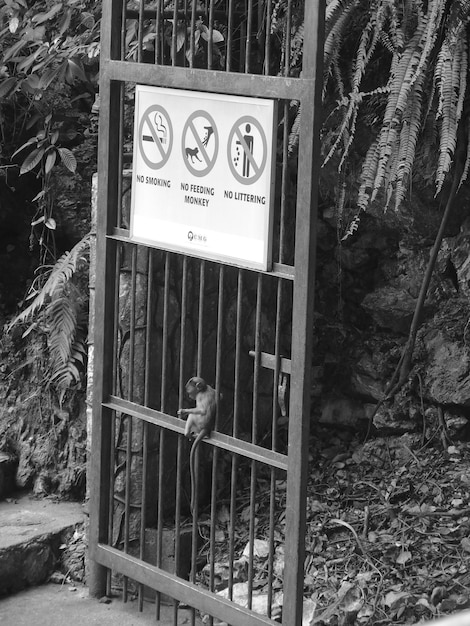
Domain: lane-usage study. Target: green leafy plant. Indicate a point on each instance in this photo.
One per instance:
(400, 70)
(43, 152)
(49, 52)
(60, 310)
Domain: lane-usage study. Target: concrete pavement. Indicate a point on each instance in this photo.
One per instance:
(70, 605)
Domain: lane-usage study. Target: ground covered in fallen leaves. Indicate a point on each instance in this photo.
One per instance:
(388, 537)
(388, 532)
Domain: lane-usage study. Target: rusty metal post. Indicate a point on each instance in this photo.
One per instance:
(302, 321)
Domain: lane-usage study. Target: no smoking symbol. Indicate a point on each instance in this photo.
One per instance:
(200, 143)
(247, 151)
(155, 137)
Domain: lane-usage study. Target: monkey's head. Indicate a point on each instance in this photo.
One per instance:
(194, 386)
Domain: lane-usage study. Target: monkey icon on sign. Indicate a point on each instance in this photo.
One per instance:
(200, 143)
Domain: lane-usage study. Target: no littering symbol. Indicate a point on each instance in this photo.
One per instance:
(200, 143)
(155, 137)
(247, 150)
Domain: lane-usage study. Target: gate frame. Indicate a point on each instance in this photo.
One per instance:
(307, 89)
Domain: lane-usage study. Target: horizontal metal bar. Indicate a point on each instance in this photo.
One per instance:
(269, 361)
(220, 440)
(279, 270)
(178, 588)
(149, 14)
(211, 81)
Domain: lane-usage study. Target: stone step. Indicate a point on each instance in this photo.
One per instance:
(32, 532)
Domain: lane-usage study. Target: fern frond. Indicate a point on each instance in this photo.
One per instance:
(66, 338)
(62, 320)
(408, 141)
(466, 166)
(297, 40)
(353, 226)
(432, 22)
(368, 43)
(451, 71)
(60, 274)
(368, 174)
(295, 130)
(336, 22)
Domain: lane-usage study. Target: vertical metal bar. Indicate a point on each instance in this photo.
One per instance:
(111, 495)
(200, 328)
(215, 457)
(274, 434)
(130, 388)
(288, 39)
(123, 31)
(303, 299)
(116, 389)
(210, 43)
(179, 457)
(174, 34)
(220, 345)
(107, 200)
(140, 35)
(254, 436)
(267, 43)
(121, 118)
(144, 424)
(242, 60)
(238, 349)
(277, 366)
(200, 338)
(129, 419)
(284, 184)
(166, 302)
(159, 40)
(236, 417)
(192, 40)
(228, 57)
(249, 36)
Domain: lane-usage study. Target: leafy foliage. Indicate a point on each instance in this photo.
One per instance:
(49, 53)
(425, 47)
(60, 310)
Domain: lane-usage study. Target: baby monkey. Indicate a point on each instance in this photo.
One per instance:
(200, 420)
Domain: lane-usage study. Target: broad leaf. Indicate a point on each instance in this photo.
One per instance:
(39, 18)
(13, 24)
(7, 86)
(50, 161)
(32, 160)
(13, 51)
(74, 71)
(65, 22)
(38, 221)
(68, 159)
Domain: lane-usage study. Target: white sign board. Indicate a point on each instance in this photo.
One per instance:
(203, 175)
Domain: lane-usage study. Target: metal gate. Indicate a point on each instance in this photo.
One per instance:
(162, 317)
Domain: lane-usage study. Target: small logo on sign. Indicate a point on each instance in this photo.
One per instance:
(197, 237)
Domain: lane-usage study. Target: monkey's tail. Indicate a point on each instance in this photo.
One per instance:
(193, 469)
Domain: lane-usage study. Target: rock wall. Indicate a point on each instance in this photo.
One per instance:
(371, 283)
